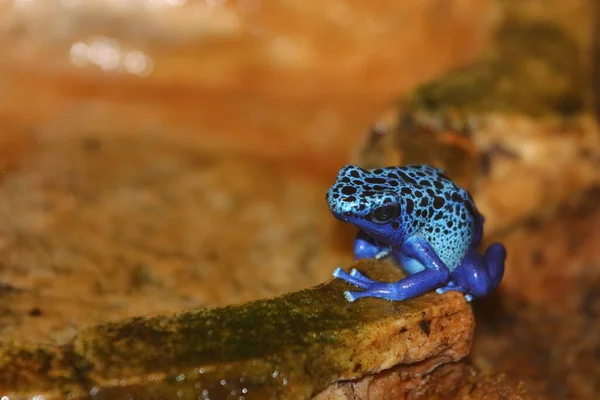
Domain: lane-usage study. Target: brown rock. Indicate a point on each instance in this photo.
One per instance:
(289, 347)
(427, 380)
(104, 227)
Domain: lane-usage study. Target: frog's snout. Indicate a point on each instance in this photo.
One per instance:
(341, 203)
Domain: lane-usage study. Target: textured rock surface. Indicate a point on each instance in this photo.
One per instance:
(100, 227)
(288, 348)
(448, 381)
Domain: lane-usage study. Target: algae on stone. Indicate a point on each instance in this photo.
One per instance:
(533, 68)
(290, 347)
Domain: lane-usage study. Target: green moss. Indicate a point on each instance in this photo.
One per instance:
(257, 330)
(533, 68)
(288, 348)
(292, 345)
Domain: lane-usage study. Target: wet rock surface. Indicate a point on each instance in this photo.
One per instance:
(289, 347)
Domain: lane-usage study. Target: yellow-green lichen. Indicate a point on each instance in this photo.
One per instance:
(533, 68)
(287, 348)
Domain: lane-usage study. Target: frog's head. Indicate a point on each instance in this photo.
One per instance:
(366, 199)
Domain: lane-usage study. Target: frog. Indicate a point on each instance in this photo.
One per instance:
(418, 217)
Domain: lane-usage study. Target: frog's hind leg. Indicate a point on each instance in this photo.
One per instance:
(479, 275)
(495, 256)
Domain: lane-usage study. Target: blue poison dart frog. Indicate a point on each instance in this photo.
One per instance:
(429, 225)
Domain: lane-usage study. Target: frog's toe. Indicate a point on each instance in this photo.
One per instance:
(444, 289)
(350, 296)
(453, 287)
(356, 274)
(374, 291)
(449, 286)
(343, 275)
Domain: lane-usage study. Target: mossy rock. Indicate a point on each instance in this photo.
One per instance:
(290, 347)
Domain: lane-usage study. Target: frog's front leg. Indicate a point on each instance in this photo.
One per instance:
(367, 247)
(434, 274)
(364, 247)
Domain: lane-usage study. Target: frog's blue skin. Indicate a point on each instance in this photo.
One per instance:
(422, 219)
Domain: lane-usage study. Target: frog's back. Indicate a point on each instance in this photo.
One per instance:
(440, 211)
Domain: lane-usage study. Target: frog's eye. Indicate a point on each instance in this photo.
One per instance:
(386, 213)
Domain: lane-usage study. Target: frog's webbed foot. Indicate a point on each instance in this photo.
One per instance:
(452, 286)
(449, 286)
(371, 287)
